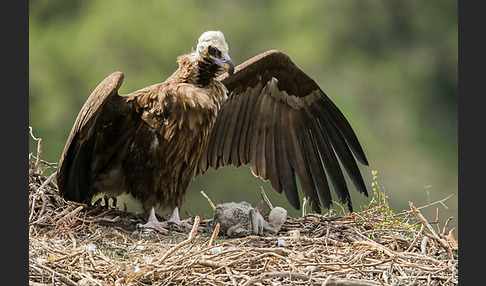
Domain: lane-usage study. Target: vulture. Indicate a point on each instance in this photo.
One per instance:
(265, 113)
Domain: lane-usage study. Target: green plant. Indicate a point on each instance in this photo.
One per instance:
(378, 217)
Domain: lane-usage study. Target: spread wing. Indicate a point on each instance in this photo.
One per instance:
(101, 109)
(279, 121)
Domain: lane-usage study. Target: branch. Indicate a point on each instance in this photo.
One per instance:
(265, 198)
(214, 235)
(189, 239)
(421, 218)
(208, 199)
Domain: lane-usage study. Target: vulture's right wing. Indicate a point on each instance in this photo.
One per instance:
(279, 121)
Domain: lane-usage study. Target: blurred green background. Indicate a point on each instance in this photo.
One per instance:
(390, 66)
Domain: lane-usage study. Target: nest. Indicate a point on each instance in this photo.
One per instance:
(76, 244)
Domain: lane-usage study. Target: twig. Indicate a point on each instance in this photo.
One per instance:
(410, 247)
(339, 205)
(214, 235)
(69, 255)
(54, 273)
(423, 245)
(427, 205)
(304, 206)
(231, 275)
(451, 238)
(265, 198)
(189, 239)
(48, 181)
(446, 224)
(39, 192)
(208, 199)
(421, 218)
(31, 155)
(39, 149)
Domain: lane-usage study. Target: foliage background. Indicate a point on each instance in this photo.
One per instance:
(390, 66)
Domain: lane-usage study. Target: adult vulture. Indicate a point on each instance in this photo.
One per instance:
(266, 113)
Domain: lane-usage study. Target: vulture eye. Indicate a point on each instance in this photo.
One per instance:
(213, 50)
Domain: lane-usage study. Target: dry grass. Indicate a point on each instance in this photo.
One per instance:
(71, 244)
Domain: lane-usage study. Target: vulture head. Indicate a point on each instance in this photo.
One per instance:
(213, 47)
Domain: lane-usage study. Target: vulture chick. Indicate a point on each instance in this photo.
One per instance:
(266, 113)
(236, 220)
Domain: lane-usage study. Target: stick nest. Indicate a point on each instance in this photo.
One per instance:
(73, 244)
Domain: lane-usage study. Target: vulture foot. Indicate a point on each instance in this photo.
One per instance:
(157, 225)
(175, 219)
(154, 223)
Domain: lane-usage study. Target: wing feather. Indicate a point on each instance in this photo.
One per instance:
(315, 169)
(339, 145)
(230, 130)
(331, 163)
(237, 135)
(293, 160)
(253, 133)
(265, 116)
(219, 135)
(285, 173)
(244, 144)
(344, 128)
(269, 154)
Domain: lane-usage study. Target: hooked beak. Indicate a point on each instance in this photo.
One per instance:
(225, 62)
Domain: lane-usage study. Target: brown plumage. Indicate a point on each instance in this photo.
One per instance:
(152, 142)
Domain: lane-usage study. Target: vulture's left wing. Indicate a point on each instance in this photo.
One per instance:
(279, 121)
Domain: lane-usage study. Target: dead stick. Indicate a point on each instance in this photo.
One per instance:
(208, 199)
(265, 198)
(214, 235)
(446, 224)
(69, 255)
(39, 149)
(212, 264)
(428, 205)
(54, 273)
(231, 275)
(189, 239)
(48, 181)
(304, 206)
(410, 247)
(39, 153)
(421, 218)
(452, 240)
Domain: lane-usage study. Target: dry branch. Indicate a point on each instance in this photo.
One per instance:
(265, 198)
(189, 240)
(208, 199)
(214, 235)
(421, 218)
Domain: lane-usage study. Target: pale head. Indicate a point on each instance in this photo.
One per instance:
(213, 45)
(277, 217)
(214, 39)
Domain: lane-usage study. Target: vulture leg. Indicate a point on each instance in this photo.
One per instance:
(107, 202)
(154, 223)
(175, 219)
